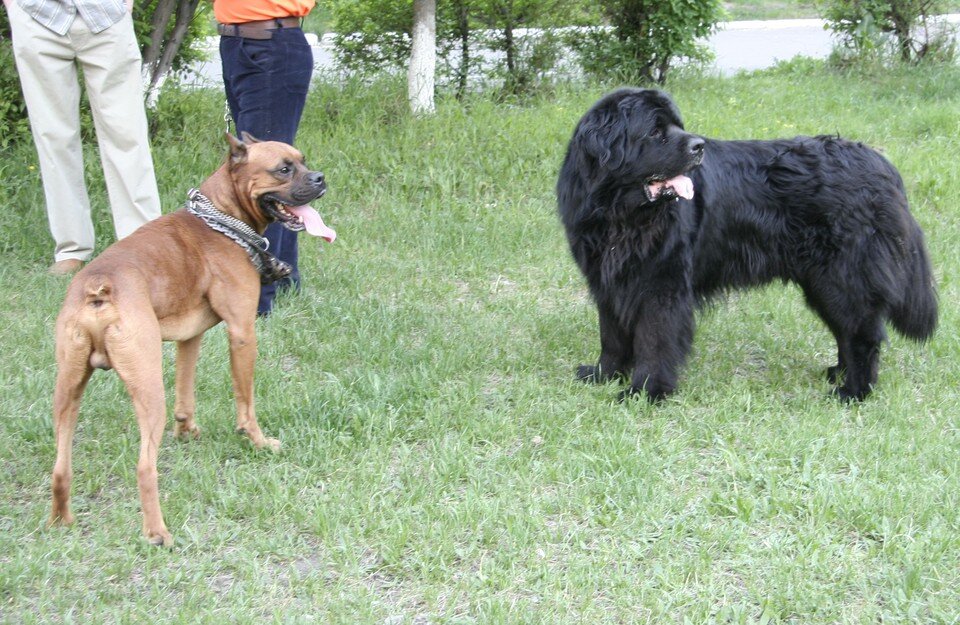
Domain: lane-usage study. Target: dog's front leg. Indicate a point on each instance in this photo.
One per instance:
(616, 348)
(243, 354)
(185, 405)
(661, 343)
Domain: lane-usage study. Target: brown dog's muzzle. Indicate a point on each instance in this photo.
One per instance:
(290, 209)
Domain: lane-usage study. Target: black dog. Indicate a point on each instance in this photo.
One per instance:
(659, 220)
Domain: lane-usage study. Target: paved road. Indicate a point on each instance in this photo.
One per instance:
(747, 45)
(759, 44)
(751, 45)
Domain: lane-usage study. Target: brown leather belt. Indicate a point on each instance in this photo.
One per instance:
(261, 29)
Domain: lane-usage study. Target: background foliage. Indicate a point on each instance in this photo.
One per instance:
(878, 30)
(646, 37)
(13, 123)
(512, 47)
(482, 42)
(517, 44)
(13, 113)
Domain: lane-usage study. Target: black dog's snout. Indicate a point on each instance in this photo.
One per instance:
(696, 146)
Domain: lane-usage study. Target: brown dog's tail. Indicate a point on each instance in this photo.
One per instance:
(98, 291)
(99, 312)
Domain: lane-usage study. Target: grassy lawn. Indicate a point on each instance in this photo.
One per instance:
(769, 10)
(791, 9)
(440, 465)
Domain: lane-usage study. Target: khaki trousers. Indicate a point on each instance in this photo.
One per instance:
(47, 64)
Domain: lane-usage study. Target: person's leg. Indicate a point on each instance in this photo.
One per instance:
(266, 83)
(48, 76)
(283, 245)
(111, 65)
(230, 68)
(267, 80)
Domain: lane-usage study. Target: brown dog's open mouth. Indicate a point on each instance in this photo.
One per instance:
(298, 218)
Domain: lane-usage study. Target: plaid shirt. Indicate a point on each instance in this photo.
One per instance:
(58, 15)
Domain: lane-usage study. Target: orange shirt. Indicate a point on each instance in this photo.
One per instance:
(240, 11)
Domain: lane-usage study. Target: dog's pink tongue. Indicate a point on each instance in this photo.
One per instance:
(313, 222)
(682, 185)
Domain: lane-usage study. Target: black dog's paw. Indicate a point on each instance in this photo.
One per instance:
(834, 374)
(589, 373)
(598, 375)
(656, 397)
(848, 396)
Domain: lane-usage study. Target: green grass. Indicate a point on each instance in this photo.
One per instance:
(791, 9)
(767, 10)
(439, 463)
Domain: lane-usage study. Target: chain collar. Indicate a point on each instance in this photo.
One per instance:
(268, 266)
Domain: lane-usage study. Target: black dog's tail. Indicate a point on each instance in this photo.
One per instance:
(916, 315)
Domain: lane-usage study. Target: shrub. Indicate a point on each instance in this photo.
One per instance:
(646, 37)
(501, 41)
(877, 31)
(13, 112)
(13, 124)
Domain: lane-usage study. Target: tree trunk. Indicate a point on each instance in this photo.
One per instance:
(510, 48)
(162, 13)
(160, 52)
(423, 57)
(463, 34)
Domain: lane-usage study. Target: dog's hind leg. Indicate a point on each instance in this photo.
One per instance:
(862, 359)
(73, 373)
(858, 330)
(835, 372)
(135, 350)
(185, 405)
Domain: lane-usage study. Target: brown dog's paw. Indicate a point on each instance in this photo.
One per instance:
(184, 432)
(270, 443)
(258, 439)
(162, 541)
(161, 538)
(60, 520)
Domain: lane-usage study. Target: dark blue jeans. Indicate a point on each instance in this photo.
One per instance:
(266, 82)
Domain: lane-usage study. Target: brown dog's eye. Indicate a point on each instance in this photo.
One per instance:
(284, 170)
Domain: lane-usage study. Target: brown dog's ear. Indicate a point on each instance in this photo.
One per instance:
(248, 138)
(238, 149)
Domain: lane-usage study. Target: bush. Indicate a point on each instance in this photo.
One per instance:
(13, 112)
(646, 37)
(878, 31)
(13, 124)
(481, 41)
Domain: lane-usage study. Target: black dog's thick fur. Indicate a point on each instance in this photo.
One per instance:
(827, 214)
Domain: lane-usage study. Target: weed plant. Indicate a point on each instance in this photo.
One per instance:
(440, 465)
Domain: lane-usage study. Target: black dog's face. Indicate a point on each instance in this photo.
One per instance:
(637, 136)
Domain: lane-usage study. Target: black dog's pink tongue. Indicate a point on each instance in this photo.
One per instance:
(682, 185)
(313, 222)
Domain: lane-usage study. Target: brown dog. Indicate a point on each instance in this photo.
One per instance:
(172, 280)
